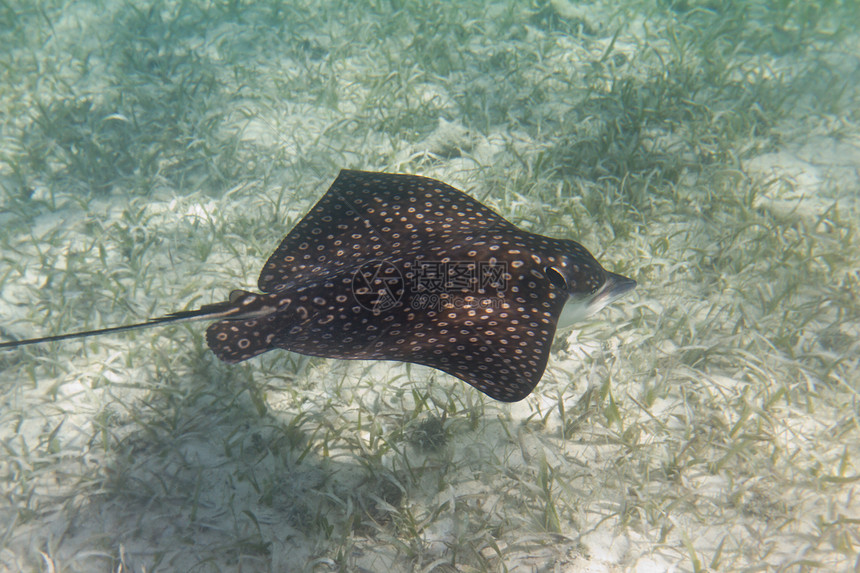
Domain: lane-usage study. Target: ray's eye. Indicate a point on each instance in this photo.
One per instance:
(556, 278)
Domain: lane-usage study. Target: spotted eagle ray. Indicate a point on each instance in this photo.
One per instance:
(406, 268)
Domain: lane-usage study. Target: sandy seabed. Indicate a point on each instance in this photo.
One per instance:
(153, 155)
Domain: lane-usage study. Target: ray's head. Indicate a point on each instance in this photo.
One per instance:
(588, 285)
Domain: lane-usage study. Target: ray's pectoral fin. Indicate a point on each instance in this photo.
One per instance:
(505, 361)
(501, 379)
(502, 368)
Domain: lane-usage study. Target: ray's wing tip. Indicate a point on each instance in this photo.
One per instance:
(512, 399)
(508, 393)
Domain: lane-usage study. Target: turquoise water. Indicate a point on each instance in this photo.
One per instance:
(152, 156)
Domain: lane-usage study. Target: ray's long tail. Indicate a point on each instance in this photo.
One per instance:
(208, 311)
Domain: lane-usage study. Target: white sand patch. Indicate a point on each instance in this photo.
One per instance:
(802, 176)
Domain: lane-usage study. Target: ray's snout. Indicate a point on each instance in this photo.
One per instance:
(618, 285)
(613, 288)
